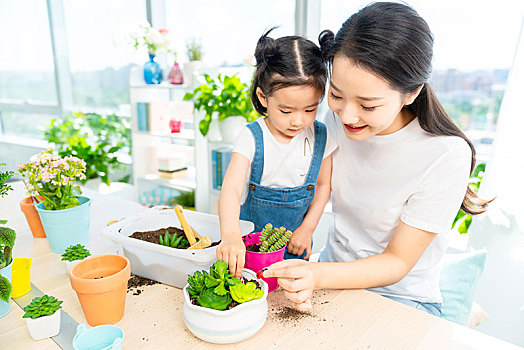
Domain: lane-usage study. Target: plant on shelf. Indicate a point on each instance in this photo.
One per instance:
(95, 138)
(218, 288)
(194, 50)
(173, 241)
(185, 199)
(53, 178)
(462, 218)
(227, 96)
(273, 239)
(7, 242)
(4, 176)
(42, 306)
(75, 252)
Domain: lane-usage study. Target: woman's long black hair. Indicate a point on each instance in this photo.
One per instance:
(394, 42)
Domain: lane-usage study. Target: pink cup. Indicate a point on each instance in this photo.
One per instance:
(257, 261)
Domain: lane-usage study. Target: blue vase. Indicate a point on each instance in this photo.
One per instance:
(67, 226)
(152, 71)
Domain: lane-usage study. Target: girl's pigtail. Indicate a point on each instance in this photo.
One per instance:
(326, 39)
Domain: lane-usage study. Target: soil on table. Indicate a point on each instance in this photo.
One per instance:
(153, 236)
(233, 303)
(135, 282)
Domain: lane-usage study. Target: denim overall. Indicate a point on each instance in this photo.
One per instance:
(281, 206)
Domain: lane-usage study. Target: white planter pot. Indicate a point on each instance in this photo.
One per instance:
(69, 264)
(160, 263)
(189, 70)
(227, 326)
(231, 127)
(44, 327)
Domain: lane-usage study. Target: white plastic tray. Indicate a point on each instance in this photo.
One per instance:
(160, 263)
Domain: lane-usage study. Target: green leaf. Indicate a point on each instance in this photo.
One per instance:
(209, 299)
(5, 289)
(242, 293)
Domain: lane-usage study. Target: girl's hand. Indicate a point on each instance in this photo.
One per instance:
(297, 277)
(233, 251)
(300, 241)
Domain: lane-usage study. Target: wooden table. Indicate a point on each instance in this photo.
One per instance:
(348, 319)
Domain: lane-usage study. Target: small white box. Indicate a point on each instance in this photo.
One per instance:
(164, 264)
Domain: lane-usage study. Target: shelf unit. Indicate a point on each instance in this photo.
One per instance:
(146, 145)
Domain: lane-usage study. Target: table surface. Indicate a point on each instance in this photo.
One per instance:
(343, 319)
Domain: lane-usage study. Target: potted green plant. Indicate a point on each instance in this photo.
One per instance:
(265, 248)
(74, 254)
(227, 97)
(4, 186)
(64, 212)
(42, 317)
(95, 138)
(220, 308)
(7, 241)
(194, 56)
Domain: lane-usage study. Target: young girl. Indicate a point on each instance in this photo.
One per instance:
(272, 177)
(400, 173)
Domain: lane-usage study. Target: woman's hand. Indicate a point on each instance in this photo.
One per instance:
(233, 251)
(300, 241)
(298, 278)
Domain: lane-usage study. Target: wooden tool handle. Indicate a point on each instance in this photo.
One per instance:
(185, 226)
(204, 242)
(196, 234)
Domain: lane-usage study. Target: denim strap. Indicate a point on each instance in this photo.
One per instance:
(318, 153)
(257, 166)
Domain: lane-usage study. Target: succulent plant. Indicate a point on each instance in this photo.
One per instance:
(273, 239)
(173, 241)
(75, 252)
(42, 306)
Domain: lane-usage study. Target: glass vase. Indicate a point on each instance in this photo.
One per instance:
(175, 75)
(152, 71)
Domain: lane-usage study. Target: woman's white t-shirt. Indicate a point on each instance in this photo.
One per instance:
(409, 176)
(285, 165)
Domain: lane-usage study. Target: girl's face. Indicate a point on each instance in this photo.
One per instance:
(364, 102)
(290, 110)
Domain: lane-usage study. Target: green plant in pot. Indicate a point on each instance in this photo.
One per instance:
(4, 186)
(95, 138)
(74, 254)
(7, 242)
(221, 308)
(226, 96)
(42, 317)
(64, 212)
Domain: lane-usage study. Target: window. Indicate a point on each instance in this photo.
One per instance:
(473, 52)
(228, 29)
(99, 68)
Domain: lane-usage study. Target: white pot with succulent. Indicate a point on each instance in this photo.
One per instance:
(73, 254)
(42, 317)
(194, 55)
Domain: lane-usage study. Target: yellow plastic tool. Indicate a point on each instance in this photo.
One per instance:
(21, 277)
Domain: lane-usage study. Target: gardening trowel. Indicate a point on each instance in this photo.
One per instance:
(203, 242)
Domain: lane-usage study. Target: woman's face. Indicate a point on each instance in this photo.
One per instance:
(364, 102)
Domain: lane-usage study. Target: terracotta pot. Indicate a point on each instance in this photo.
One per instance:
(32, 217)
(100, 282)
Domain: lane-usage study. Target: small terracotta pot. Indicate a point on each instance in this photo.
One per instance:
(100, 282)
(32, 217)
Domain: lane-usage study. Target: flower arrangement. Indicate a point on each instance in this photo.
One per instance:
(194, 50)
(152, 38)
(218, 288)
(42, 306)
(53, 178)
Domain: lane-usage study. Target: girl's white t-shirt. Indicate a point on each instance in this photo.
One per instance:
(409, 176)
(285, 165)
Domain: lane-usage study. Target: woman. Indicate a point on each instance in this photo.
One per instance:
(401, 169)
